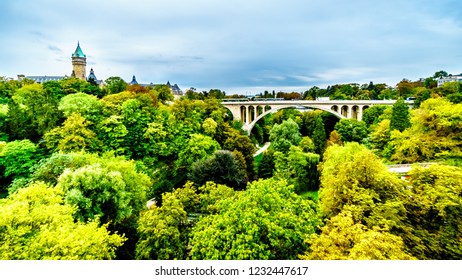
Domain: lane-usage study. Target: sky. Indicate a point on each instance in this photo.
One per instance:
(239, 46)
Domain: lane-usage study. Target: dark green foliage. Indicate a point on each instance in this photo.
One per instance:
(241, 143)
(164, 93)
(319, 136)
(258, 133)
(371, 115)
(221, 168)
(54, 89)
(455, 98)
(72, 85)
(298, 168)
(115, 85)
(351, 130)
(32, 112)
(421, 96)
(16, 160)
(216, 93)
(49, 169)
(267, 221)
(440, 74)
(3, 124)
(266, 167)
(400, 116)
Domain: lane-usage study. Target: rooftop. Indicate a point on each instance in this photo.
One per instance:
(78, 52)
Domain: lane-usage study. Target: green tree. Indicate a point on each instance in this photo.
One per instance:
(73, 136)
(54, 88)
(435, 133)
(89, 106)
(405, 88)
(267, 221)
(7, 89)
(163, 93)
(210, 126)
(266, 166)
(163, 233)
(353, 175)
(449, 88)
(32, 112)
(400, 116)
(351, 130)
(434, 211)
(222, 168)
(343, 238)
(285, 135)
(112, 132)
(334, 139)
(115, 85)
(164, 137)
(421, 94)
(210, 196)
(109, 188)
(49, 169)
(216, 93)
(36, 225)
(16, 160)
(371, 115)
(319, 135)
(307, 145)
(142, 139)
(198, 148)
(440, 74)
(235, 141)
(380, 135)
(297, 168)
(72, 85)
(3, 124)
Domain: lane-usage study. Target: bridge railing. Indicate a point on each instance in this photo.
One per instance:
(409, 165)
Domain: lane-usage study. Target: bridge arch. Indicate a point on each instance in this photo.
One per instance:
(249, 127)
(250, 112)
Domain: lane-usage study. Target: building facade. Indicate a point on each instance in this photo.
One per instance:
(450, 78)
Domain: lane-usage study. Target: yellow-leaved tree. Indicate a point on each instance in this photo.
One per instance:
(36, 225)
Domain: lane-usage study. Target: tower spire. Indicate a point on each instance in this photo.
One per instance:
(79, 63)
(78, 51)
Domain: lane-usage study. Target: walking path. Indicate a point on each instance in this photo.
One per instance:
(262, 149)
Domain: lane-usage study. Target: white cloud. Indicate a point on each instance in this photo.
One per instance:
(234, 44)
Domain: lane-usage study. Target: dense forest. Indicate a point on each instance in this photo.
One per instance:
(130, 172)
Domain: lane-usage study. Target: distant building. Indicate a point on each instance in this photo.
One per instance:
(133, 82)
(79, 63)
(92, 78)
(175, 89)
(42, 79)
(450, 78)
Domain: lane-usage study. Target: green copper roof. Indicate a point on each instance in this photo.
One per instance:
(78, 52)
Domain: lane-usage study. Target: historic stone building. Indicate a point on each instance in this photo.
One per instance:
(79, 63)
(79, 70)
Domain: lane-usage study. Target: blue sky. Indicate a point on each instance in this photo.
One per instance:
(237, 46)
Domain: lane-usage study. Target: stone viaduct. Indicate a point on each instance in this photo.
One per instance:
(250, 112)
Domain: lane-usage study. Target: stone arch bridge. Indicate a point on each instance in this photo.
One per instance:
(250, 112)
